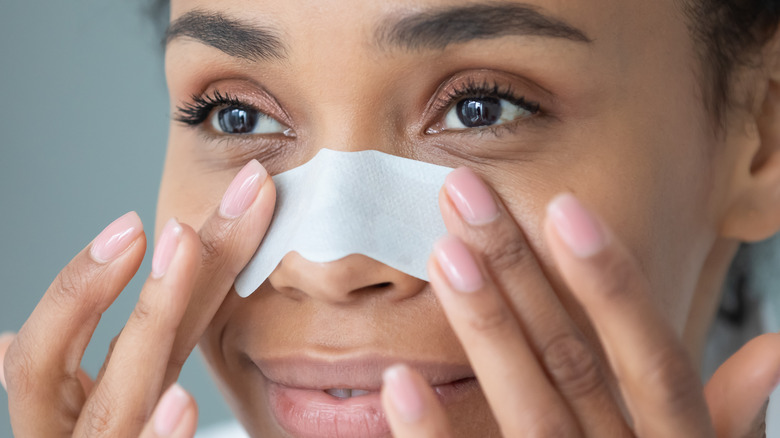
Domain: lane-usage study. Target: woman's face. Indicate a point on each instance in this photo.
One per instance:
(599, 98)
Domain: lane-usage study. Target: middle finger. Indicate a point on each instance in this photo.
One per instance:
(471, 211)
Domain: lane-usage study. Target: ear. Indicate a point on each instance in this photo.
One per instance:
(754, 211)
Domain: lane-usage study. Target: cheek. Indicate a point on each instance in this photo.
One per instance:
(651, 190)
(189, 191)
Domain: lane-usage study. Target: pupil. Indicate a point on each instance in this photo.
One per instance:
(237, 120)
(479, 111)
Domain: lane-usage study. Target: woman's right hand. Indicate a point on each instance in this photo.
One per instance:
(50, 395)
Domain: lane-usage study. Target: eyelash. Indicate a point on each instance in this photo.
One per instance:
(198, 110)
(472, 88)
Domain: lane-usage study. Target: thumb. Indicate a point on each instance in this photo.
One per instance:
(738, 392)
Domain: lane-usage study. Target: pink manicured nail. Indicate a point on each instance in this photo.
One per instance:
(405, 397)
(471, 196)
(116, 238)
(243, 190)
(458, 264)
(170, 410)
(576, 226)
(166, 248)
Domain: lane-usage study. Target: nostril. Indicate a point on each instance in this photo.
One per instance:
(378, 287)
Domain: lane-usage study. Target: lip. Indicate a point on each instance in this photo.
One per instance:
(296, 391)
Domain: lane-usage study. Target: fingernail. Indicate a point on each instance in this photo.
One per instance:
(458, 264)
(243, 190)
(405, 397)
(116, 238)
(471, 196)
(170, 410)
(576, 225)
(166, 248)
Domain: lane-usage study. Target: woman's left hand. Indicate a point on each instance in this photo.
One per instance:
(540, 375)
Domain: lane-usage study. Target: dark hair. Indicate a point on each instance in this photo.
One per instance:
(730, 34)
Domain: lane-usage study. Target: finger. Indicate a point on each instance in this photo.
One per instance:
(515, 385)
(128, 389)
(413, 410)
(176, 416)
(472, 212)
(738, 391)
(42, 365)
(662, 390)
(229, 238)
(5, 341)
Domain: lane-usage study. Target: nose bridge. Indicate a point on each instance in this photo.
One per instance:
(347, 95)
(352, 120)
(347, 280)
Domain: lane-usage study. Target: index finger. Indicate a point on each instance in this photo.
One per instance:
(229, 238)
(661, 387)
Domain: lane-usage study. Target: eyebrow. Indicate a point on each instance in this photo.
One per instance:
(433, 29)
(439, 28)
(236, 38)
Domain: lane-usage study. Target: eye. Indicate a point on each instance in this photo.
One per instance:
(475, 112)
(240, 120)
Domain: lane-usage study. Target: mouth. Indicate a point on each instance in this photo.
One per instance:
(312, 398)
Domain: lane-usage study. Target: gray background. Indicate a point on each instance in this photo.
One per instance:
(83, 128)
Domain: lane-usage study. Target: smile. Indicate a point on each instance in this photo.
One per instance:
(315, 398)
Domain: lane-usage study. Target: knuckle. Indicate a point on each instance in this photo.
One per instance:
(98, 415)
(506, 251)
(618, 276)
(213, 252)
(493, 322)
(671, 379)
(572, 365)
(18, 368)
(69, 285)
(143, 312)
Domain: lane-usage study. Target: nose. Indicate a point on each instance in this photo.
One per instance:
(345, 281)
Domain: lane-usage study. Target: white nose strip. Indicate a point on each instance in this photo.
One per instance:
(341, 203)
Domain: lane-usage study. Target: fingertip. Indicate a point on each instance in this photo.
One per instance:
(116, 238)
(175, 413)
(402, 393)
(411, 405)
(578, 228)
(738, 391)
(5, 340)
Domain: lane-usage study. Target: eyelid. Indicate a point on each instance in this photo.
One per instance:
(498, 81)
(243, 94)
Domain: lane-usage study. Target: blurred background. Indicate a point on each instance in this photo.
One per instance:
(83, 128)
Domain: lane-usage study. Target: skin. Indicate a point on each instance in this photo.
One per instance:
(623, 126)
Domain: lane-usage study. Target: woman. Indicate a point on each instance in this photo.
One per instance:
(610, 161)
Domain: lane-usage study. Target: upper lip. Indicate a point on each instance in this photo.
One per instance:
(365, 373)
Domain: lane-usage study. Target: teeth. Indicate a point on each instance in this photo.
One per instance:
(344, 393)
(339, 392)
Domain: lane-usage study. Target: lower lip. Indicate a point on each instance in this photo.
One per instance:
(309, 413)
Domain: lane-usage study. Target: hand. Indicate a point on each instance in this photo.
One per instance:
(539, 374)
(50, 396)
